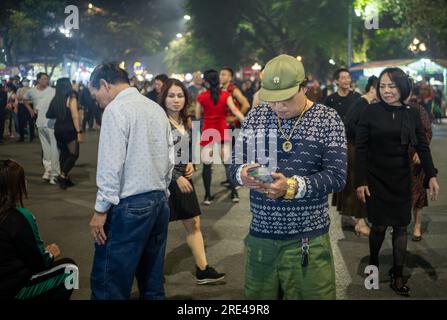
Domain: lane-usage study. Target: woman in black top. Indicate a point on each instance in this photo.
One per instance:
(183, 201)
(383, 176)
(348, 204)
(28, 269)
(67, 129)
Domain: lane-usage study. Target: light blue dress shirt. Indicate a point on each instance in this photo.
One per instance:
(136, 151)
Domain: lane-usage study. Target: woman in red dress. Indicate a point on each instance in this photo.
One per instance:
(216, 137)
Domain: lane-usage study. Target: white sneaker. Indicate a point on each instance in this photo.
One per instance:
(53, 181)
(46, 176)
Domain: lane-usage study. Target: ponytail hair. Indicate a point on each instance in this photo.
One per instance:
(212, 78)
(372, 83)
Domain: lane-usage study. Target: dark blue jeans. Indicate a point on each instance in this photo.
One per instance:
(136, 232)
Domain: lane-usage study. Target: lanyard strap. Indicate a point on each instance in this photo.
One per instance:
(304, 252)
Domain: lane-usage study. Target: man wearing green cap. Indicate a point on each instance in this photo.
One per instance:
(288, 247)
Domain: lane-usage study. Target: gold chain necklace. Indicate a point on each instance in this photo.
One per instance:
(287, 145)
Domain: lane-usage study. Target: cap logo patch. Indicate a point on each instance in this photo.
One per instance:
(276, 80)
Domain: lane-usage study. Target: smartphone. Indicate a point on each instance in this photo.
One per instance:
(260, 173)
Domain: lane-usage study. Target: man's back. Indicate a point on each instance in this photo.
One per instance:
(134, 147)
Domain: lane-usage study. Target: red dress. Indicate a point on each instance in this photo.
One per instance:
(214, 117)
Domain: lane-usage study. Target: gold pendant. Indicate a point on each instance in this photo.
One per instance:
(287, 146)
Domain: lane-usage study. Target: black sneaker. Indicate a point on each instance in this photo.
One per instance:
(209, 275)
(208, 200)
(62, 182)
(69, 183)
(235, 196)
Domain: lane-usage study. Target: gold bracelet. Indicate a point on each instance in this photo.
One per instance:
(292, 189)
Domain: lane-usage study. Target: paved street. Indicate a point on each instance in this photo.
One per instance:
(63, 218)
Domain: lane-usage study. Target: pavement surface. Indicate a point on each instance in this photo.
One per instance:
(63, 218)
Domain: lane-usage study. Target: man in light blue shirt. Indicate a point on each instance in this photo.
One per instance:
(135, 162)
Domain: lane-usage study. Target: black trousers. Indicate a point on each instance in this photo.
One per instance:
(25, 119)
(88, 119)
(68, 146)
(2, 123)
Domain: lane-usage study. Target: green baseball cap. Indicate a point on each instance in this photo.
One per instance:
(282, 78)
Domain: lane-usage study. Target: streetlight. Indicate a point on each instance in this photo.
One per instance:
(417, 46)
(256, 67)
(92, 9)
(65, 32)
(188, 77)
(187, 17)
(299, 58)
(331, 61)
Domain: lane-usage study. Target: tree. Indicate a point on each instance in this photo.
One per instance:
(425, 20)
(120, 30)
(31, 28)
(188, 55)
(242, 32)
(401, 22)
(112, 30)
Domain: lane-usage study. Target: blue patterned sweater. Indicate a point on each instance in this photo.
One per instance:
(319, 155)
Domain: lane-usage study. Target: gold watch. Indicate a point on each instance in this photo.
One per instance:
(292, 189)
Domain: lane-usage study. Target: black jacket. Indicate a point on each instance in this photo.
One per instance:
(22, 252)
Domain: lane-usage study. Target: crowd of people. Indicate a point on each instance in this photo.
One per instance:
(370, 150)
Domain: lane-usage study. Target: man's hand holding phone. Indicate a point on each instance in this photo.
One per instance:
(261, 174)
(256, 177)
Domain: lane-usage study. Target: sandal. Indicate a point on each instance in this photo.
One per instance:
(416, 238)
(402, 291)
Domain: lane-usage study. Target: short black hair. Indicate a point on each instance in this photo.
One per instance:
(228, 69)
(338, 71)
(403, 83)
(372, 83)
(162, 77)
(11, 87)
(109, 72)
(41, 74)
